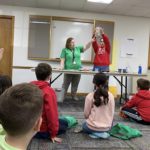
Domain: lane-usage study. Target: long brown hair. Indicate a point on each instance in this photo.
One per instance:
(68, 41)
(101, 93)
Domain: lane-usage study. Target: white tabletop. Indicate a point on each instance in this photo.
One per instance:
(89, 72)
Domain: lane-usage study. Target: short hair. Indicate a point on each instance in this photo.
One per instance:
(68, 41)
(20, 107)
(5, 82)
(42, 71)
(143, 84)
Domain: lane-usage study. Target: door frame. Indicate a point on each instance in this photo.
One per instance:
(12, 38)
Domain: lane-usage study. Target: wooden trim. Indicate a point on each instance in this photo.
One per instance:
(78, 94)
(12, 36)
(149, 55)
(44, 59)
(12, 41)
(85, 94)
(39, 17)
(73, 19)
(6, 17)
(50, 37)
(87, 62)
(104, 21)
(22, 67)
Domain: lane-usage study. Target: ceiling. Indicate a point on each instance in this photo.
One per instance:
(118, 7)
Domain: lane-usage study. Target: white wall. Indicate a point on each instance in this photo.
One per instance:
(134, 27)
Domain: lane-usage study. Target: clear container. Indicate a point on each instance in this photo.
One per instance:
(60, 93)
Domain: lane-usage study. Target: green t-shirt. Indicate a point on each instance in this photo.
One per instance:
(4, 145)
(72, 58)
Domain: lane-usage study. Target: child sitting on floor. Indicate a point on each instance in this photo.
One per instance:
(5, 82)
(20, 115)
(138, 107)
(99, 109)
(51, 125)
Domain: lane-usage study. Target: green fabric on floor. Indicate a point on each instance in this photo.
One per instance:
(124, 132)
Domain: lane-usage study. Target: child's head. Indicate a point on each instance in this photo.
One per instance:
(101, 94)
(5, 82)
(143, 84)
(100, 79)
(43, 71)
(20, 110)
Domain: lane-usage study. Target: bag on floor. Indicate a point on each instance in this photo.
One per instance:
(124, 132)
(72, 121)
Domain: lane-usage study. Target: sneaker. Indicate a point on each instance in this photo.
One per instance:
(78, 129)
(103, 135)
(75, 98)
(93, 136)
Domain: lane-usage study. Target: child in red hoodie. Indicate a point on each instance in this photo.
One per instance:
(51, 126)
(138, 107)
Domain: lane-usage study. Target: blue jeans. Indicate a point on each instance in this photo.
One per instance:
(101, 68)
(63, 125)
(87, 130)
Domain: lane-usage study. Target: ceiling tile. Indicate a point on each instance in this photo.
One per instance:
(118, 7)
(72, 4)
(94, 7)
(25, 3)
(6, 2)
(48, 3)
(138, 11)
(143, 3)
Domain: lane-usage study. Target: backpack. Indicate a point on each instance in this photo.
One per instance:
(72, 121)
(124, 132)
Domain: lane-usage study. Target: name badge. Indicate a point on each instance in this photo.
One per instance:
(74, 62)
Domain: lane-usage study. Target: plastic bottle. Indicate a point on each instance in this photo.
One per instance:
(140, 69)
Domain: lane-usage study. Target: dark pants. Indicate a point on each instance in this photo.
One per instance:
(72, 79)
(63, 125)
(133, 114)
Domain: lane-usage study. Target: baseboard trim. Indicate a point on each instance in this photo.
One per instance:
(78, 94)
(85, 94)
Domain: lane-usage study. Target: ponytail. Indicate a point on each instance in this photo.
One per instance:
(101, 96)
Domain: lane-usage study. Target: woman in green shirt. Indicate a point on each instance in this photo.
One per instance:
(71, 60)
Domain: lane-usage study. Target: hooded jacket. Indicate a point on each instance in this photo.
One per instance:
(50, 121)
(102, 53)
(141, 102)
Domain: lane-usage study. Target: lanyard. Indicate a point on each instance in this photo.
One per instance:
(73, 54)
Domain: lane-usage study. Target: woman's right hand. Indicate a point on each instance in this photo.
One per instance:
(56, 139)
(61, 68)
